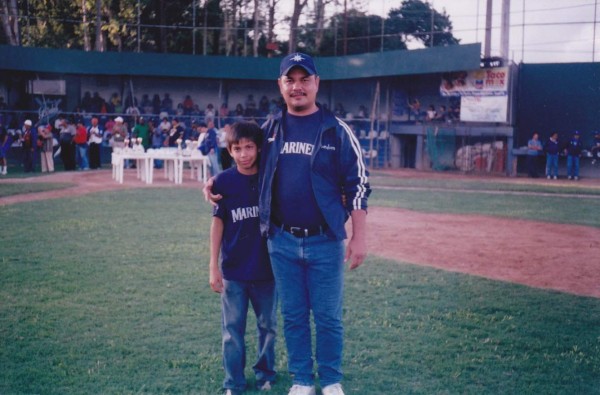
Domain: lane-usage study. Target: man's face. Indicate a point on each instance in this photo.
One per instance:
(94, 121)
(299, 90)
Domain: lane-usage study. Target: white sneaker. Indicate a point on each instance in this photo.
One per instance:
(576, 178)
(556, 178)
(570, 178)
(333, 389)
(302, 390)
(548, 177)
(265, 387)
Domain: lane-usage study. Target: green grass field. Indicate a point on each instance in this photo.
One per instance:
(30, 187)
(108, 294)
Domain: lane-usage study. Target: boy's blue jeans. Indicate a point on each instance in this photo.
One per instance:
(82, 156)
(573, 166)
(552, 165)
(235, 299)
(309, 273)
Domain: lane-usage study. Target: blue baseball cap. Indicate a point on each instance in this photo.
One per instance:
(297, 59)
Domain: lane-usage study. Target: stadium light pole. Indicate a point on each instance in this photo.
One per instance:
(204, 38)
(138, 26)
(594, 38)
(523, 35)
(505, 30)
(488, 29)
(193, 27)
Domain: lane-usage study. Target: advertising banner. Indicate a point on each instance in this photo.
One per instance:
(483, 82)
(483, 108)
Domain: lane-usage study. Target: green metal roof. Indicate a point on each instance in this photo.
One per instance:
(382, 64)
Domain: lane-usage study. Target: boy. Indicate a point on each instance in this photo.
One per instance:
(573, 151)
(552, 150)
(245, 274)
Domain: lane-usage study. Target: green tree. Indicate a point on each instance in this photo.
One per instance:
(418, 20)
(363, 34)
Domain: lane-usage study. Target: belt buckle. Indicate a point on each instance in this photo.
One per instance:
(298, 232)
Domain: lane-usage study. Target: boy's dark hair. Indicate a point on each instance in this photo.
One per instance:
(245, 130)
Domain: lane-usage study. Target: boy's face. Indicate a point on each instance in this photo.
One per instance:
(245, 155)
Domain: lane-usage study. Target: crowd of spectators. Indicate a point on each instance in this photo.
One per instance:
(157, 108)
(443, 114)
(154, 118)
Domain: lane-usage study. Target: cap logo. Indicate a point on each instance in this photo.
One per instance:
(297, 58)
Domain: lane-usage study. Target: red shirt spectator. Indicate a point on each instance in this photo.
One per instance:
(80, 134)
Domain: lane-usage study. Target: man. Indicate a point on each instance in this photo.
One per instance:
(176, 133)
(573, 152)
(212, 142)
(534, 148)
(46, 148)
(552, 150)
(81, 146)
(303, 213)
(95, 133)
(119, 133)
(224, 156)
(141, 130)
(67, 149)
(29, 144)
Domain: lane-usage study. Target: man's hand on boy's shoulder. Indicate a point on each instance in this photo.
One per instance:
(207, 191)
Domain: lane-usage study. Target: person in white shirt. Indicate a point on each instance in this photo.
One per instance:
(224, 156)
(95, 134)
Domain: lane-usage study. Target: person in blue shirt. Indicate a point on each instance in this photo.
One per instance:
(552, 150)
(210, 146)
(240, 269)
(573, 151)
(534, 147)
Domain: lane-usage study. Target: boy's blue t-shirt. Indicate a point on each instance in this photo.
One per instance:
(244, 255)
(294, 201)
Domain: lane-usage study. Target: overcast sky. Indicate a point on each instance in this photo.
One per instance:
(551, 30)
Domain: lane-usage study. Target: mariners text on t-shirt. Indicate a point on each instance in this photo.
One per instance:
(244, 255)
(294, 202)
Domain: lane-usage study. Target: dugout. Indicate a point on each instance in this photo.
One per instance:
(382, 83)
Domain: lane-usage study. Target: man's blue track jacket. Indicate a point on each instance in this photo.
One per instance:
(337, 169)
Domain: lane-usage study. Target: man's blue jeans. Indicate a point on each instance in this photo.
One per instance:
(235, 299)
(552, 165)
(573, 166)
(309, 273)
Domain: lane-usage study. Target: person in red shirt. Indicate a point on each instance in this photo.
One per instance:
(81, 143)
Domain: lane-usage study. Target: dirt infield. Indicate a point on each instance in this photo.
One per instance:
(551, 256)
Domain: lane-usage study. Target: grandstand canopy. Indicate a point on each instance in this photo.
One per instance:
(384, 64)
